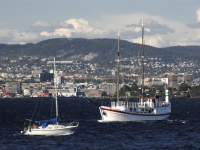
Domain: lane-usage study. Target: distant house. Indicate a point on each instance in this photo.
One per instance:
(13, 87)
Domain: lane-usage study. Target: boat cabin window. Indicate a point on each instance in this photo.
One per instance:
(112, 103)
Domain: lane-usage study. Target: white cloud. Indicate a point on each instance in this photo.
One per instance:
(156, 41)
(198, 15)
(16, 37)
(42, 24)
(197, 23)
(159, 32)
(6, 33)
(23, 37)
(58, 32)
(79, 26)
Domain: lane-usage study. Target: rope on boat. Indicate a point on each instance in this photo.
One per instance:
(110, 52)
(34, 111)
(52, 104)
(39, 109)
(92, 102)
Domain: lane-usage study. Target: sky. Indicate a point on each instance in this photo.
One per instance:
(167, 22)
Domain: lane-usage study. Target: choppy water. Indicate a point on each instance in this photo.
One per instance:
(181, 131)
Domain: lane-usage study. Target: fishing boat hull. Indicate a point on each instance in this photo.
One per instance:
(109, 115)
(52, 130)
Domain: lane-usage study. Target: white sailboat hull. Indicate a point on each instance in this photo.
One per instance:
(108, 115)
(52, 130)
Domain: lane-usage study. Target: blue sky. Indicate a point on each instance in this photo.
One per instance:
(167, 22)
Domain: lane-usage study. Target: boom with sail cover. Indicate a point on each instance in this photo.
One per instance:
(45, 122)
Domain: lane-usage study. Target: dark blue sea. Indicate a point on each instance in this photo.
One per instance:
(181, 131)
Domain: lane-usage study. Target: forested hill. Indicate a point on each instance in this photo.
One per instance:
(75, 49)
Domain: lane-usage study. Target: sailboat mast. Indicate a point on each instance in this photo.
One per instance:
(55, 85)
(142, 60)
(118, 63)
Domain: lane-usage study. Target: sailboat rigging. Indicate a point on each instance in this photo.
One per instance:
(146, 109)
(50, 127)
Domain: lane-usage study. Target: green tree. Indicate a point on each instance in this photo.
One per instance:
(195, 91)
(183, 87)
(104, 94)
(134, 87)
(123, 90)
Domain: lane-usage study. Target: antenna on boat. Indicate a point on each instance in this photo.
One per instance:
(55, 85)
(118, 63)
(142, 59)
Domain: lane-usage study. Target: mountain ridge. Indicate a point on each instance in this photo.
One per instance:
(77, 48)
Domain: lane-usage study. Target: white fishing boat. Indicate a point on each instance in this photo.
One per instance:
(146, 109)
(50, 127)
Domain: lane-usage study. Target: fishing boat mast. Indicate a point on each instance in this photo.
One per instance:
(55, 85)
(118, 65)
(142, 60)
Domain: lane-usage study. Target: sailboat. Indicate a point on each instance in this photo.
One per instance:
(146, 109)
(50, 127)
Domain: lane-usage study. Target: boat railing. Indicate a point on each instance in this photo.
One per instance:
(140, 104)
(120, 103)
(71, 124)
